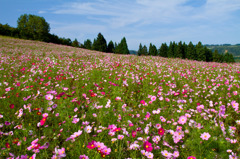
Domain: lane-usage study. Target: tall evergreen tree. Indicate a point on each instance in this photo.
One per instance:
(216, 57)
(110, 47)
(208, 54)
(75, 43)
(145, 50)
(100, 43)
(191, 52)
(140, 50)
(163, 51)
(180, 50)
(184, 50)
(87, 44)
(122, 47)
(152, 50)
(171, 49)
(200, 52)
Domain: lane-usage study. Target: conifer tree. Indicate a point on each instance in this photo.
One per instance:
(140, 50)
(152, 50)
(145, 50)
(180, 50)
(75, 43)
(200, 52)
(163, 51)
(171, 49)
(191, 52)
(100, 43)
(110, 47)
(87, 44)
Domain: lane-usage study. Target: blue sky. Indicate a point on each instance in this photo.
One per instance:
(140, 21)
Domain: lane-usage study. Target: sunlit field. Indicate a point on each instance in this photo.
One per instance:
(63, 102)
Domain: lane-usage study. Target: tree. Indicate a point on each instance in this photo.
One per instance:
(208, 54)
(171, 49)
(140, 50)
(163, 50)
(200, 52)
(33, 27)
(191, 52)
(122, 47)
(145, 50)
(110, 47)
(100, 43)
(152, 50)
(75, 43)
(184, 50)
(87, 44)
(180, 50)
(216, 57)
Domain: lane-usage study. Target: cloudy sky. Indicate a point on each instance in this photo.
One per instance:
(140, 21)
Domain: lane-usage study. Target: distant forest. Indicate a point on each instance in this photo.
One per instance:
(233, 49)
(33, 27)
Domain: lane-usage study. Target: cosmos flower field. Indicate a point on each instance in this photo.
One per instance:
(63, 102)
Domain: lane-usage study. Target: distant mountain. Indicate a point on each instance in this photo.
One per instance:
(232, 49)
(133, 52)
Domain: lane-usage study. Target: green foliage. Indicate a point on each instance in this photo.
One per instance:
(87, 44)
(171, 49)
(191, 52)
(122, 47)
(110, 47)
(152, 50)
(144, 50)
(180, 50)
(163, 50)
(140, 49)
(8, 31)
(33, 27)
(75, 43)
(100, 43)
(200, 52)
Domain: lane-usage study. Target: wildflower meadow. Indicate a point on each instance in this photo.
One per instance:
(62, 102)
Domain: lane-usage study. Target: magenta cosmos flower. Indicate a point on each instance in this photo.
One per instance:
(191, 157)
(147, 146)
(48, 97)
(142, 102)
(91, 145)
(161, 131)
(205, 136)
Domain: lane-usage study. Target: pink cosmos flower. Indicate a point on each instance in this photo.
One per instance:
(191, 157)
(147, 146)
(83, 157)
(48, 97)
(182, 120)
(166, 154)
(60, 152)
(153, 98)
(7, 89)
(120, 137)
(205, 136)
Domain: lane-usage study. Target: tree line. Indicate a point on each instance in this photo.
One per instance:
(33, 27)
(182, 50)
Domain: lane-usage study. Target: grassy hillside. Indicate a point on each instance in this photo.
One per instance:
(58, 101)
